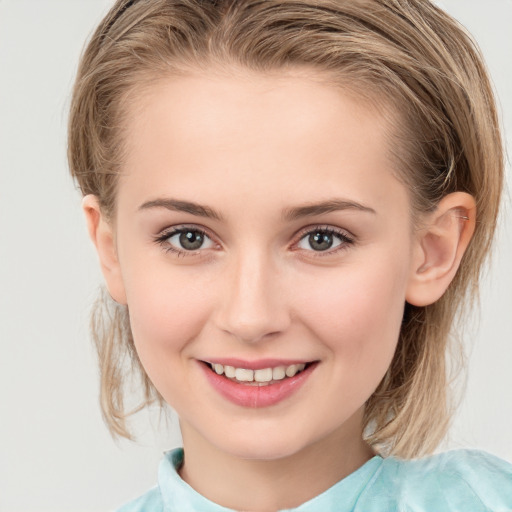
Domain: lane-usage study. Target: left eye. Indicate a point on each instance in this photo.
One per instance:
(189, 240)
(320, 240)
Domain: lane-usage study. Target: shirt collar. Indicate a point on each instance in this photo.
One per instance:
(178, 496)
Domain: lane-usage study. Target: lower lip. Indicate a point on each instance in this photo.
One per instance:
(257, 396)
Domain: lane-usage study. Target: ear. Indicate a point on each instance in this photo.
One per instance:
(102, 235)
(440, 245)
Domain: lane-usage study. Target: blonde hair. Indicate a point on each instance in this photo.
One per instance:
(408, 53)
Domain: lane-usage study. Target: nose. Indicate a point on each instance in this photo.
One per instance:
(253, 306)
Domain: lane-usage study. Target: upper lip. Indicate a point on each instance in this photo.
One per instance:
(257, 364)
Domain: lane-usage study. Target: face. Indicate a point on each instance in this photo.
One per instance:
(261, 231)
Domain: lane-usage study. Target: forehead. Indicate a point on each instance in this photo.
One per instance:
(295, 132)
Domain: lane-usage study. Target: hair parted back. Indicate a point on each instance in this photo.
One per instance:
(407, 54)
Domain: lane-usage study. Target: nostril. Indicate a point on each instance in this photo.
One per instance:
(254, 335)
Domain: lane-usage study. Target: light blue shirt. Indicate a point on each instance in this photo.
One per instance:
(456, 481)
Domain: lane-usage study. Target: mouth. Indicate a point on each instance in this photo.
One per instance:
(266, 384)
(259, 377)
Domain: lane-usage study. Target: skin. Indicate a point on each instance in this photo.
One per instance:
(252, 148)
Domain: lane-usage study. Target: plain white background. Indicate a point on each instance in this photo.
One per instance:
(55, 452)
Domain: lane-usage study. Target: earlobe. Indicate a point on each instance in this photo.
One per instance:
(102, 235)
(440, 245)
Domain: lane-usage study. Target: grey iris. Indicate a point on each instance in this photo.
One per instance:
(320, 241)
(191, 240)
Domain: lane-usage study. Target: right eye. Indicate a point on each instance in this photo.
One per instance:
(185, 240)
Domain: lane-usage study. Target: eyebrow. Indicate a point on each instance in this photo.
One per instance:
(331, 205)
(290, 214)
(182, 206)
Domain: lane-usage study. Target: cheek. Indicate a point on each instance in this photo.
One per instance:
(357, 314)
(167, 310)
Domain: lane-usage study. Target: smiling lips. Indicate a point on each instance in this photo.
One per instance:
(258, 387)
(260, 377)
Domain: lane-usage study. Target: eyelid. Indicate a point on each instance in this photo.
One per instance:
(347, 239)
(162, 237)
(345, 236)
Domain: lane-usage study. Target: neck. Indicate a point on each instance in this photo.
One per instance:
(270, 485)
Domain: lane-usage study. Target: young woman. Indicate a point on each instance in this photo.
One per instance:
(291, 203)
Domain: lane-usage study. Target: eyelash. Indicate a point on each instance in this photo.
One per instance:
(162, 239)
(344, 238)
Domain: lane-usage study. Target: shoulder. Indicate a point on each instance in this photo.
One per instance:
(459, 480)
(167, 491)
(472, 472)
(151, 501)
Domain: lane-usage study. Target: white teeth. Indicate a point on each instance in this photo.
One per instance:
(264, 375)
(229, 371)
(279, 373)
(261, 376)
(244, 375)
(292, 370)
